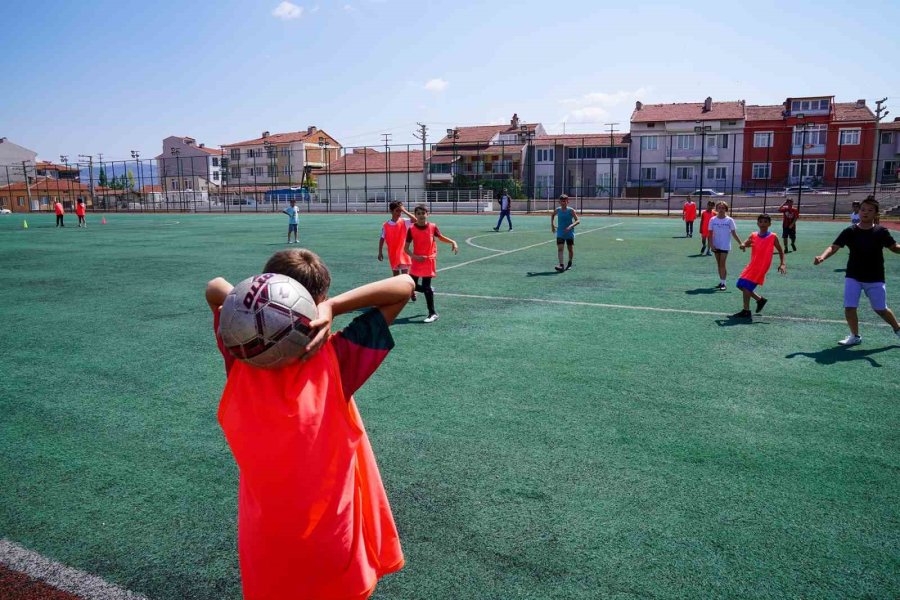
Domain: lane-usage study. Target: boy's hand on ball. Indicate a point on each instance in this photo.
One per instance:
(320, 328)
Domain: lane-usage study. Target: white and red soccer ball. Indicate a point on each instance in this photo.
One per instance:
(265, 320)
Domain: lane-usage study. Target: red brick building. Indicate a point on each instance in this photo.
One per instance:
(813, 140)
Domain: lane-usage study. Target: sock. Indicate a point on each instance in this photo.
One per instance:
(722, 281)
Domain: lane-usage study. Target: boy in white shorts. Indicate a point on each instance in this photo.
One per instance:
(865, 268)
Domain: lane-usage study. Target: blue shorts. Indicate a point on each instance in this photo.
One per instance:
(292, 228)
(746, 284)
(876, 292)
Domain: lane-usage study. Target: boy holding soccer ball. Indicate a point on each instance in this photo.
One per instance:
(313, 517)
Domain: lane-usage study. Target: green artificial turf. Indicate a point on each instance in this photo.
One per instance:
(529, 449)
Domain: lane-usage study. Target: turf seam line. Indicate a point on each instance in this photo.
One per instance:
(60, 576)
(505, 252)
(651, 308)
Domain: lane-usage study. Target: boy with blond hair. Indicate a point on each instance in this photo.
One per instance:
(313, 517)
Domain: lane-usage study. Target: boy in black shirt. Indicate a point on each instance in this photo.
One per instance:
(865, 268)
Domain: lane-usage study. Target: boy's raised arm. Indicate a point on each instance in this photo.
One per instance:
(216, 290)
(387, 295)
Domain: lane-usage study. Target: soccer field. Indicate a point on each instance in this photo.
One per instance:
(604, 432)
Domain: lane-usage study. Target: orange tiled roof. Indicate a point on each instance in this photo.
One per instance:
(287, 138)
(688, 111)
(587, 139)
(850, 111)
(768, 112)
(212, 151)
(484, 133)
(890, 126)
(377, 162)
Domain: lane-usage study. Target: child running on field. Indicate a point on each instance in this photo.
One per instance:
(80, 211)
(761, 245)
(854, 215)
(789, 223)
(313, 517)
(722, 229)
(421, 246)
(293, 213)
(865, 268)
(393, 233)
(565, 233)
(689, 215)
(706, 240)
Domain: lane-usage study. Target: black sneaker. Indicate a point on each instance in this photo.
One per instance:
(793, 246)
(495, 228)
(413, 298)
(569, 266)
(559, 268)
(744, 314)
(721, 287)
(760, 304)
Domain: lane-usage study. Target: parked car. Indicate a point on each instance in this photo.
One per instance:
(793, 190)
(5, 211)
(706, 192)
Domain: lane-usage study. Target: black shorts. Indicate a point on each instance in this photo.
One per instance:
(292, 227)
(568, 241)
(789, 232)
(717, 251)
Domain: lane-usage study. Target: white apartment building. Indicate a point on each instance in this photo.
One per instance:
(280, 159)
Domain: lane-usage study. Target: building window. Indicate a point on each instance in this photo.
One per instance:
(887, 137)
(711, 142)
(763, 139)
(545, 155)
(716, 173)
(21, 200)
(846, 169)
(286, 170)
(889, 168)
(815, 135)
(235, 154)
(649, 142)
(215, 162)
(174, 184)
(501, 167)
(215, 175)
(545, 184)
(684, 173)
(849, 137)
(761, 170)
(684, 142)
(236, 172)
(810, 168)
(252, 153)
(285, 150)
(648, 173)
(807, 105)
(187, 184)
(723, 140)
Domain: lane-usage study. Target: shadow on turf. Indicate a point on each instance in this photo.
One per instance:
(701, 291)
(415, 320)
(543, 273)
(732, 321)
(830, 356)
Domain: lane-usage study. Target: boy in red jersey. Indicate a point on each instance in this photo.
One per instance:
(58, 209)
(705, 240)
(761, 244)
(689, 215)
(313, 517)
(393, 233)
(789, 223)
(421, 246)
(80, 211)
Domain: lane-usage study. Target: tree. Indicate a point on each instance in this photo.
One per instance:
(130, 180)
(101, 179)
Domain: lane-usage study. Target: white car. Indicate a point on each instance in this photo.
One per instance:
(706, 192)
(5, 211)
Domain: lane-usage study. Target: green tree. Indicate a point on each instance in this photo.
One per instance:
(130, 180)
(102, 179)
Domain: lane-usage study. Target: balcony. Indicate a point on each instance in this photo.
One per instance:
(694, 155)
(811, 149)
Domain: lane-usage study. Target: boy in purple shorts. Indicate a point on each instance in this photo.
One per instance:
(865, 268)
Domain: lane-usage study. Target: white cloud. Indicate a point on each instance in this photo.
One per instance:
(314, 9)
(597, 106)
(436, 85)
(287, 11)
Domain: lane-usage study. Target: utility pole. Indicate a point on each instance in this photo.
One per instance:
(27, 183)
(422, 135)
(880, 113)
(612, 131)
(90, 160)
(387, 168)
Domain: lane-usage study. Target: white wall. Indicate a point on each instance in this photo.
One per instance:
(371, 187)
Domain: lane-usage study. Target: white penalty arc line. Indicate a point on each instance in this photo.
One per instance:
(64, 578)
(505, 252)
(684, 311)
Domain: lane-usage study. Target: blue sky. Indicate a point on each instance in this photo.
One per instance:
(112, 76)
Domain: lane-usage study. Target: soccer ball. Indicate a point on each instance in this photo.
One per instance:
(265, 320)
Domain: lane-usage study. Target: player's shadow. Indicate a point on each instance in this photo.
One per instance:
(543, 273)
(830, 356)
(414, 320)
(840, 270)
(732, 321)
(680, 237)
(701, 291)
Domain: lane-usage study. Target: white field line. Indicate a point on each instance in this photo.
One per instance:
(505, 252)
(647, 308)
(64, 578)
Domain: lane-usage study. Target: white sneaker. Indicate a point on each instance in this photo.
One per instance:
(432, 318)
(897, 333)
(851, 340)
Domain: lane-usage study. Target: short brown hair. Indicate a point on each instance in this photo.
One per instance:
(305, 267)
(871, 201)
(564, 197)
(420, 207)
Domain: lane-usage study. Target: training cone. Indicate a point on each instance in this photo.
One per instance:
(24, 224)
(103, 221)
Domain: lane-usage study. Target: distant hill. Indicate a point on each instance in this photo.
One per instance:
(144, 174)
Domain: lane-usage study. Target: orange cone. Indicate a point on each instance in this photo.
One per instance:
(103, 221)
